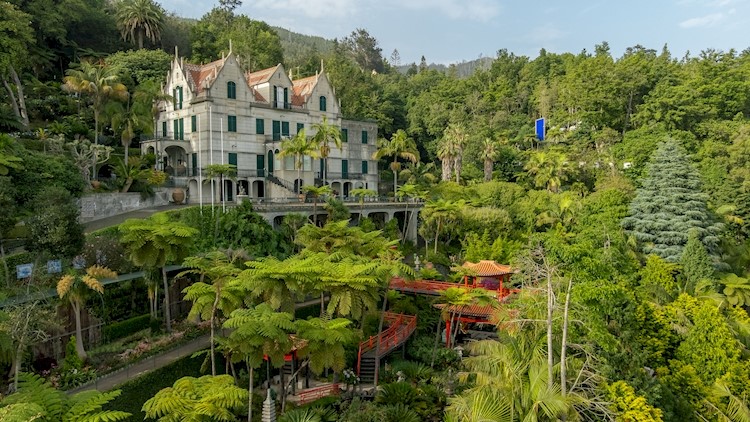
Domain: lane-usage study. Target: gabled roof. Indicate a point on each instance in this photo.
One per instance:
(201, 76)
(302, 88)
(487, 268)
(261, 76)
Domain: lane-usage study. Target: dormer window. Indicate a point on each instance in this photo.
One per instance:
(231, 90)
(322, 103)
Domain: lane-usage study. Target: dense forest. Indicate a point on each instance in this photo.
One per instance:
(629, 221)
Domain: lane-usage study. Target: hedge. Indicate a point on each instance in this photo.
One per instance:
(125, 328)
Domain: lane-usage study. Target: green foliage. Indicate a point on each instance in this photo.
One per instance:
(207, 397)
(140, 66)
(337, 210)
(54, 228)
(629, 406)
(36, 396)
(696, 264)
(669, 205)
(118, 330)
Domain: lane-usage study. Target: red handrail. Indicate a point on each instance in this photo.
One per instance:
(400, 327)
(312, 394)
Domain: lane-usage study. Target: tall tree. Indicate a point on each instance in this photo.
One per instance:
(325, 134)
(101, 84)
(450, 151)
(364, 49)
(74, 288)
(669, 205)
(547, 169)
(16, 37)
(488, 156)
(153, 243)
(299, 146)
(139, 19)
(216, 291)
(54, 228)
(259, 334)
(400, 146)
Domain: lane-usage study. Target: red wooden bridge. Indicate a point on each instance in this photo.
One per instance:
(435, 288)
(400, 327)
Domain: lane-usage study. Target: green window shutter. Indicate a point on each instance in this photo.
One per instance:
(179, 93)
(344, 169)
(344, 135)
(194, 158)
(322, 103)
(364, 167)
(286, 98)
(300, 127)
(364, 136)
(175, 129)
(276, 130)
(232, 123)
(164, 129)
(182, 129)
(285, 129)
(260, 126)
(231, 90)
(193, 123)
(275, 96)
(260, 165)
(232, 159)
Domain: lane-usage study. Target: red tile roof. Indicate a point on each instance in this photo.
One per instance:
(261, 76)
(199, 74)
(482, 311)
(487, 268)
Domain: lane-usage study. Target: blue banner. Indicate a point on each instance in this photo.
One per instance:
(539, 127)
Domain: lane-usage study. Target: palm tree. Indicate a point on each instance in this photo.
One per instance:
(100, 83)
(399, 146)
(130, 172)
(222, 294)
(37, 399)
(129, 119)
(409, 191)
(441, 212)
(325, 341)
(208, 398)
(451, 150)
(259, 333)
(420, 174)
(324, 135)
(362, 193)
(547, 169)
(488, 155)
(154, 242)
(139, 19)
(277, 283)
(299, 147)
(74, 287)
(316, 192)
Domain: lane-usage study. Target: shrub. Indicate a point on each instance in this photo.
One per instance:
(125, 328)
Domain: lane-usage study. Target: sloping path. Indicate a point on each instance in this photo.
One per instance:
(113, 379)
(119, 218)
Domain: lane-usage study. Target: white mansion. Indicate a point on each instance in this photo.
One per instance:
(221, 115)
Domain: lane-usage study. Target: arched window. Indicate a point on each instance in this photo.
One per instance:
(322, 103)
(231, 90)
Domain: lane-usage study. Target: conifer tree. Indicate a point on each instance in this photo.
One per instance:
(696, 264)
(669, 205)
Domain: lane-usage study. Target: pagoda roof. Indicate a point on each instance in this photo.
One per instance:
(486, 268)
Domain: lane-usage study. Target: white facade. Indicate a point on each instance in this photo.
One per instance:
(224, 116)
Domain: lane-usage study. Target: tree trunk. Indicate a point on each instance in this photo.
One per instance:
(167, 311)
(395, 182)
(250, 393)
(406, 221)
(437, 340)
(550, 357)
(377, 344)
(21, 98)
(5, 264)
(213, 347)
(96, 142)
(488, 170)
(315, 210)
(454, 337)
(13, 101)
(437, 233)
(128, 181)
(79, 336)
(564, 346)
(126, 145)
(322, 304)
(140, 39)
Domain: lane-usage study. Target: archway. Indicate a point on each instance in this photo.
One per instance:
(175, 161)
(298, 183)
(347, 189)
(259, 190)
(229, 190)
(336, 188)
(242, 187)
(193, 193)
(270, 162)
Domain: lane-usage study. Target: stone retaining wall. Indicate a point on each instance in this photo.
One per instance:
(102, 205)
